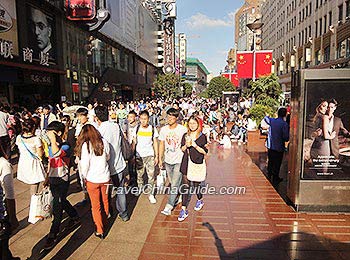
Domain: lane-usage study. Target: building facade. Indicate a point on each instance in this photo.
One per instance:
(306, 34)
(196, 74)
(48, 58)
(245, 15)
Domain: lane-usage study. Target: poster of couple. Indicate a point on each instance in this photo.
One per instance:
(326, 150)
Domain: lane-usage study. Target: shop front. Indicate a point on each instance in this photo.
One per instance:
(30, 54)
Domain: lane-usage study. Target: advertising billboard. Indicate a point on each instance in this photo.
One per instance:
(41, 34)
(131, 25)
(326, 150)
(146, 36)
(8, 29)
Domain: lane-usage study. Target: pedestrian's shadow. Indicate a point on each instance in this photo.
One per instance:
(287, 246)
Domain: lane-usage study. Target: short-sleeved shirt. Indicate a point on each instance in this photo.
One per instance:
(144, 147)
(172, 141)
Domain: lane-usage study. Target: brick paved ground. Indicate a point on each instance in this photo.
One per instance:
(256, 225)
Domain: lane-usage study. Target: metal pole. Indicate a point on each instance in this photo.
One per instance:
(254, 57)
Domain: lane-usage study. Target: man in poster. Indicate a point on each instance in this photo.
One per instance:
(40, 33)
(337, 127)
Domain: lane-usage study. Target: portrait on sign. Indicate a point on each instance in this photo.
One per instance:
(41, 35)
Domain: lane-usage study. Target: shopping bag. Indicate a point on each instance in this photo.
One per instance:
(196, 172)
(161, 178)
(40, 206)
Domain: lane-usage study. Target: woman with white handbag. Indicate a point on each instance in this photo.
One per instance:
(30, 168)
(193, 167)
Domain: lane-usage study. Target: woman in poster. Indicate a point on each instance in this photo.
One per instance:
(323, 134)
(320, 146)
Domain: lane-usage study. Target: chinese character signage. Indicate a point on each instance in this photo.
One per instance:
(80, 9)
(326, 148)
(183, 52)
(8, 29)
(169, 53)
(41, 37)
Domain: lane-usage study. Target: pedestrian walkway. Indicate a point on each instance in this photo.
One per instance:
(254, 225)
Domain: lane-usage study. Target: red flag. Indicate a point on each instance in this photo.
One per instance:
(226, 75)
(263, 63)
(245, 64)
(234, 79)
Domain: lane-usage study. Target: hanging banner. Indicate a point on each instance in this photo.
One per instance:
(169, 47)
(183, 52)
(263, 63)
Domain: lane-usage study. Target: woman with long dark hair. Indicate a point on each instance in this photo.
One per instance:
(93, 152)
(193, 167)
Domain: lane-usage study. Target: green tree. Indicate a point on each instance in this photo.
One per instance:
(167, 85)
(266, 91)
(187, 87)
(217, 85)
(259, 111)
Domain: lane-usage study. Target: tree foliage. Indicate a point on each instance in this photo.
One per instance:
(187, 89)
(217, 85)
(267, 93)
(266, 90)
(167, 85)
(259, 111)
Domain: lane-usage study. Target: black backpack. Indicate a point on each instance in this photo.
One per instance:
(127, 151)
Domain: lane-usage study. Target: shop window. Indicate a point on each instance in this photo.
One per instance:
(317, 57)
(340, 13)
(300, 63)
(316, 27)
(327, 54)
(343, 49)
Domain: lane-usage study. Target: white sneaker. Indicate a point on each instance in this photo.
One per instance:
(167, 210)
(152, 199)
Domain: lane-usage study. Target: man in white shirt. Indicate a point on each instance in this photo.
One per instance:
(111, 133)
(170, 147)
(146, 141)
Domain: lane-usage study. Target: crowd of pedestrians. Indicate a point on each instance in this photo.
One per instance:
(56, 143)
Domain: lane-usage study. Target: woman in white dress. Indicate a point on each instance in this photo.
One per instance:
(30, 168)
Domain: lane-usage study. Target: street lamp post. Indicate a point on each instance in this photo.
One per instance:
(254, 26)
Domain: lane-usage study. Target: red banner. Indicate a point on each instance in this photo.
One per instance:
(263, 63)
(245, 64)
(233, 77)
(81, 9)
(226, 75)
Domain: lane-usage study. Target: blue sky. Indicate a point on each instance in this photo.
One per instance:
(209, 26)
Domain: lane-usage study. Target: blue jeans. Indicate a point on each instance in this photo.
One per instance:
(118, 182)
(175, 178)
